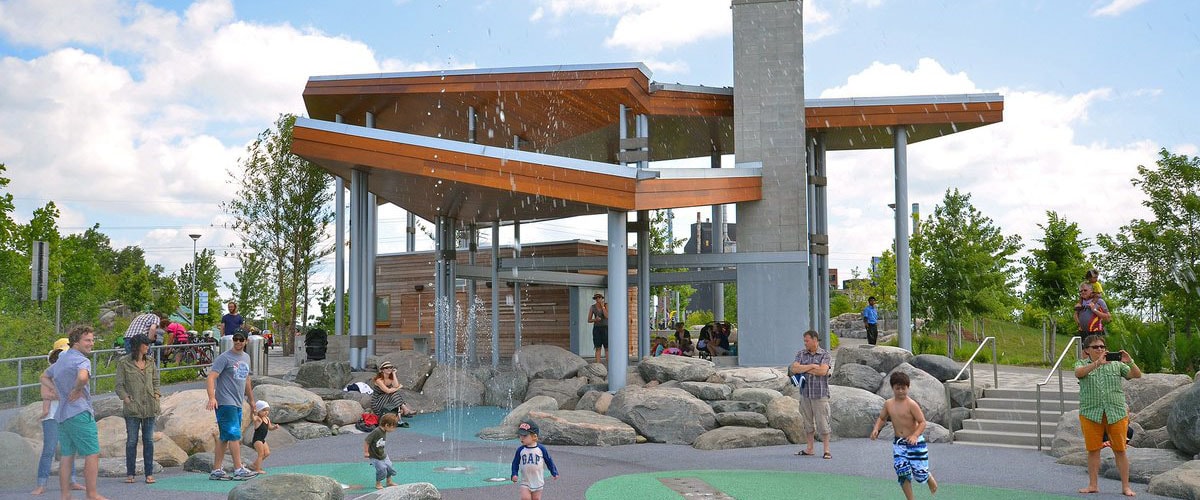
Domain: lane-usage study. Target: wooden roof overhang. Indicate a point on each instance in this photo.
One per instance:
(571, 113)
(477, 183)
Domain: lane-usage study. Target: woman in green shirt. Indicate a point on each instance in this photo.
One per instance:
(1102, 407)
(137, 386)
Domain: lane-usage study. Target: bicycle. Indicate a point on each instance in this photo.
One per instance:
(199, 352)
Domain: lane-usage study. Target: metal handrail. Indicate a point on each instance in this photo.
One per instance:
(1062, 399)
(971, 366)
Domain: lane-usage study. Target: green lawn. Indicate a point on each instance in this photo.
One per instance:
(1015, 344)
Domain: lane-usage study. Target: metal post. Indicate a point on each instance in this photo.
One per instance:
(811, 204)
(643, 295)
(718, 246)
(339, 252)
(618, 299)
(194, 237)
(439, 316)
(822, 221)
(495, 294)
(903, 284)
(516, 288)
(372, 231)
(472, 327)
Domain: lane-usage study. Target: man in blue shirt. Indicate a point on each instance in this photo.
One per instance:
(76, 417)
(232, 322)
(871, 321)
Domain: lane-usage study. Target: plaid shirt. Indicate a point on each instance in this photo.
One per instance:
(141, 325)
(1100, 392)
(817, 386)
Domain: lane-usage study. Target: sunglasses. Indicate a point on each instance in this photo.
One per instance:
(239, 340)
(1098, 347)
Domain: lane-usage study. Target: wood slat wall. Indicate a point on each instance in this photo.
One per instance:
(545, 311)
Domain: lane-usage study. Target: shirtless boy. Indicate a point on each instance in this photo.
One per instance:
(910, 456)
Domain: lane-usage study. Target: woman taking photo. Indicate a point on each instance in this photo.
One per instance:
(386, 397)
(137, 386)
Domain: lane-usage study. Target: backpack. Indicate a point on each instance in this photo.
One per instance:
(368, 423)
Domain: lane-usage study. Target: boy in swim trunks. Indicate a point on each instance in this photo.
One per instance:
(910, 456)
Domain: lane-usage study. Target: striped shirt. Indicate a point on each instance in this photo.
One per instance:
(817, 386)
(1100, 392)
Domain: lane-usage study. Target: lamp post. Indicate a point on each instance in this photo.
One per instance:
(194, 236)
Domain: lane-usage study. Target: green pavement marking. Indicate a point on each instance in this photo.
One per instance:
(360, 476)
(750, 485)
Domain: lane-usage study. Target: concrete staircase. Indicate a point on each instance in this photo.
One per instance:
(1008, 418)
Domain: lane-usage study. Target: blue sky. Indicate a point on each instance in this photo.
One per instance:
(152, 103)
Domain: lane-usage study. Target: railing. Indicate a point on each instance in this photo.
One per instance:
(107, 356)
(971, 366)
(1062, 398)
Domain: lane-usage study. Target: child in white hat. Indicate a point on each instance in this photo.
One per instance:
(261, 421)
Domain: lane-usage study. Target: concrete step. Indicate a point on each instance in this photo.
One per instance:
(1022, 404)
(1048, 415)
(996, 445)
(979, 424)
(1048, 393)
(1001, 438)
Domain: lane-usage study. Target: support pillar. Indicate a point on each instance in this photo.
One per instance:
(516, 289)
(718, 246)
(496, 294)
(472, 289)
(643, 287)
(822, 257)
(903, 280)
(618, 300)
(339, 250)
(358, 244)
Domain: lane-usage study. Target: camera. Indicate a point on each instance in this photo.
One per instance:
(1113, 356)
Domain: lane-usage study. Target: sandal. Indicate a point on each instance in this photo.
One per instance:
(129, 480)
(827, 456)
(805, 453)
(150, 480)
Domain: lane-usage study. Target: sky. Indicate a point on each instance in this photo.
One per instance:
(133, 115)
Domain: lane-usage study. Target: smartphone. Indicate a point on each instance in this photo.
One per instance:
(1113, 356)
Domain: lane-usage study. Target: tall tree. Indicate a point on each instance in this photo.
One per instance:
(1053, 271)
(1154, 265)
(966, 265)
(252, 287)
(282, 209)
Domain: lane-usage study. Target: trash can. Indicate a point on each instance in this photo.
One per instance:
(316, 341)
(254, 348)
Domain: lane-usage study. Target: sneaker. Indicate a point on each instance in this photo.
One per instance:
(402, 424)
(243, 473)
(218, 474)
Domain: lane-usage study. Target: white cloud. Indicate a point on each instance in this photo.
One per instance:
(1117, 7)
(1015, 170)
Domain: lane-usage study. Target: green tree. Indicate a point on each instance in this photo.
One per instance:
(1154, 265)
(966, 265)
(133, 288)
(206, 280)
(165, 290)
(1053, 271)
(282, 210)
(251, 287)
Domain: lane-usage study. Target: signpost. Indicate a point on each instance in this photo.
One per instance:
(202, 304)
(41, 271)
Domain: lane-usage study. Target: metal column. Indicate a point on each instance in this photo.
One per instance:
(496, 294)
(643, 275)
(339, 250)
(618, 300)
(811, 205)
(472, 289)
(372, 230)
(822, 206)
(358, 244)
(718, 246)
(903, 285)
(516, 289)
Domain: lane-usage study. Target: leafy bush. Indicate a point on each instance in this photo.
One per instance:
(839, 304)
(1187, 354)
(1145, 342)
(964, 352)
(834, 341)
(924, 344)
(699, 318)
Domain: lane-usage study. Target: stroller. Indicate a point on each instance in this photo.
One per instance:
(316, 341)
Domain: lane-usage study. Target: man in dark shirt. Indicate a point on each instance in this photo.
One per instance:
(231, 322)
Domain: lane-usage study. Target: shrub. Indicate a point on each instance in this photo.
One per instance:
(1187, 354)
(1146, 343)
(924, 344)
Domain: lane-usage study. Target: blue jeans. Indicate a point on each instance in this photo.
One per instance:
(49, 449)
(132, 426)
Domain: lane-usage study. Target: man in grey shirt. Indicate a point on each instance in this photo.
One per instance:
(228, 380)
(76, 418)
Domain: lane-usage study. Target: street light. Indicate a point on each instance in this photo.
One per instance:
(194, 236)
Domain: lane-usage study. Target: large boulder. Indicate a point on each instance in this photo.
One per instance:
(307, 430)
(1144, 463)
(290, 486)
(18, 464)
(1150, 387)
(881, 358)
(108, 407)
(288, 404)
(593, 371)
(725, 438)
(1156, 414)
(505, 389)
(707, 391)
(343, 412)
(581, 428)
(1153, 438)
(742, 419)
(326, 373)
(203, 461)
(1180, 482)
(409, 491)
(1184, 420)
(257, 380)
(681, 368)
(855, 375)
(940, 367)
(566, 391)
(1068, 436)
(596, 401)
(416, 401)
(508, 427)
(763, 377)
(963, 393)
(453, 385)
(852, 411)
(784, 414)
(756, 394)
(277, 439)
(927, 391)
(663, 415)
(115, 467)
(186, 419)
(548, 361)
(728, 405)
(28, 421)
(412, 367)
